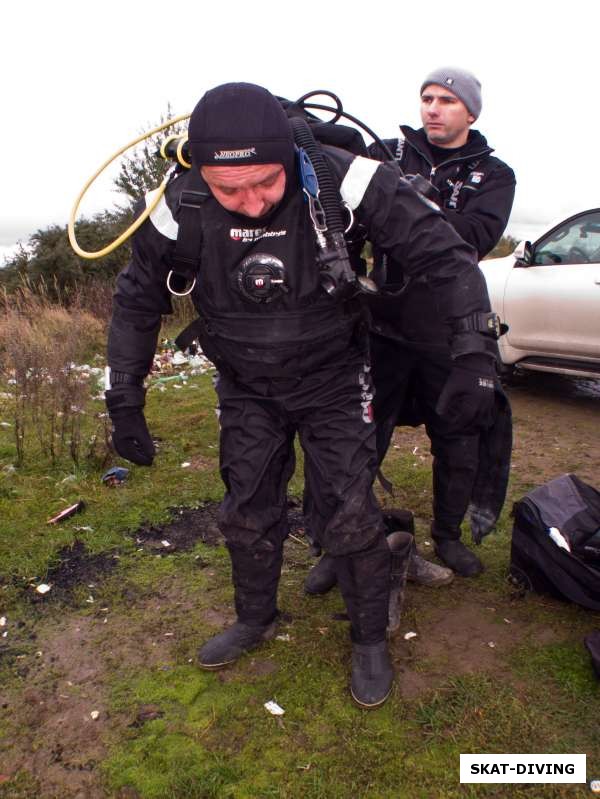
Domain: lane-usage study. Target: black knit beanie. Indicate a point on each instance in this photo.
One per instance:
(239, 124)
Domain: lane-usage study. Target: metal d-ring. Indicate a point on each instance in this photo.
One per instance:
(179, 293)
(350, 214)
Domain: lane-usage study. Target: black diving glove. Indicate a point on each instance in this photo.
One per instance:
(467, 401)
(130, 434)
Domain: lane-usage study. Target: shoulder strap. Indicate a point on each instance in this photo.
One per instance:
(185, 259)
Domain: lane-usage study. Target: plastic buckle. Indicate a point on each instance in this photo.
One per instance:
(308, 176)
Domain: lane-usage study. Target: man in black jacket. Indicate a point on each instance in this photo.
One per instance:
(412, 362)
(280, 318)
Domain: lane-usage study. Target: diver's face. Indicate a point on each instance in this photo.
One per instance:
(249, 190)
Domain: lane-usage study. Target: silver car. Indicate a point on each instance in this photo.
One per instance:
(548, 293)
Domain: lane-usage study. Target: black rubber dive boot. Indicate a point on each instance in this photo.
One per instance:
(364, 579)
(372, 674)
(322, 577)
(458, 557)
(228, 646)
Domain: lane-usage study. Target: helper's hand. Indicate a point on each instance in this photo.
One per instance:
(467, 400)
(130, 434)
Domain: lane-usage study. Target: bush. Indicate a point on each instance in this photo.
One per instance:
(41, 348)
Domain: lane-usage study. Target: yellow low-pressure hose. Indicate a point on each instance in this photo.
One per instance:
(141, 219)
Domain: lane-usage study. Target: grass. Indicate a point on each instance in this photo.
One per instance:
(214, 737)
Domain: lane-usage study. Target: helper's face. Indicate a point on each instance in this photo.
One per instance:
(248, 190)
(445, 117)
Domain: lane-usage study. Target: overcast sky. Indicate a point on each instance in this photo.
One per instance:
(80, 80)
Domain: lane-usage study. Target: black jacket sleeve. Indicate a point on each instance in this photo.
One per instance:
(484, 215)
(484, 210)
(415, 233)
(140, 299)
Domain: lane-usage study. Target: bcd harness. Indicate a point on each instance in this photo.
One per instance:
(260, 276)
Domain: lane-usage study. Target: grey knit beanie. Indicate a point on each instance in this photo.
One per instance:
(461, 83)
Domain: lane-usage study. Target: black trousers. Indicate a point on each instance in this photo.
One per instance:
(330, 410)
(408, 384)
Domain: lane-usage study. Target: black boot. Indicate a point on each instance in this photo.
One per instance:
(458, 557)
(322, 577)
(372, 674)
(228, 646)
(255, 575)
(364, 579)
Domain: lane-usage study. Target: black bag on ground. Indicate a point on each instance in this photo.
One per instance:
(572, 508)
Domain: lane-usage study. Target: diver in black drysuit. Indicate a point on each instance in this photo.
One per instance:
(291, 359)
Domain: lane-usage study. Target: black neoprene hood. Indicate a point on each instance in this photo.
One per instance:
(240, 124)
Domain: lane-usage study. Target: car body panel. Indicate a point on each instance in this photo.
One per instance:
(552, 305)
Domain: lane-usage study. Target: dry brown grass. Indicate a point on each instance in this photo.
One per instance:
(42, 346)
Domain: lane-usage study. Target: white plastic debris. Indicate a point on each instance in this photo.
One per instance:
(508, 621)
(165, 543)
(273, 708)
(90, 600)
(3, 621)
(415, 450)
(284, 637)
(185, 464)
(408, 636)
(491, 645)
(179, 359)
(43, 588)
(95, 714)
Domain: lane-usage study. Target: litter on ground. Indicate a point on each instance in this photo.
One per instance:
(273, 708)
(77, 507)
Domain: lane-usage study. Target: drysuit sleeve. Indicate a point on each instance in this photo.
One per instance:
(414, 232)
(485, 210)
(140, 299)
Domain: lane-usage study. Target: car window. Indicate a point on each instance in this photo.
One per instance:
(575, 242)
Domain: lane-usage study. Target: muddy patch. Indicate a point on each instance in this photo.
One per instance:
(469, 640)
(190, 526)
(64, 717)
(75, 566)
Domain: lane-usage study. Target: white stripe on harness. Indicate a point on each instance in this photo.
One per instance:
(357, 180)
(161, 217)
